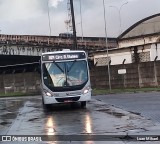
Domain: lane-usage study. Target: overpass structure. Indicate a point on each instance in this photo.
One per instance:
(33, 45)
(21, 53)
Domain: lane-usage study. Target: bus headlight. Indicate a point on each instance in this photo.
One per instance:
(86, 90)
(48, 94)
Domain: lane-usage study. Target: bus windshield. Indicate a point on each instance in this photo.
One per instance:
(63, 75)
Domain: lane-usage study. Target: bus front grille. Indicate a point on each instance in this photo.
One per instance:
(72, 99)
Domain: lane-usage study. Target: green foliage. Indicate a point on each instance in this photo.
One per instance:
(16, 94)
(94, 92)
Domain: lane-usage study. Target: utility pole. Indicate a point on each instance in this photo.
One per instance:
(81, 18)
(49, 21)
(74, 26)
(105, 25)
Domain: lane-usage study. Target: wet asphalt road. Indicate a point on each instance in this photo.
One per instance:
(145, 104)
(26, 116)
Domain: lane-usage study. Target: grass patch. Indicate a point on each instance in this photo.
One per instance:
(17, 94)
(130, 90)
(94, 92)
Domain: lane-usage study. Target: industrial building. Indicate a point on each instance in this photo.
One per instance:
(139, 43)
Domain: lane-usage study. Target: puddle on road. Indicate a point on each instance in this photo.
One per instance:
(109, 111)
(12, 105)
(33, 119)
(8, 116)
(9, 110)
(32, 104)
(5, 123)
(136, 113)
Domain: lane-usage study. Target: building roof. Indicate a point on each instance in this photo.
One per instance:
(147, 26)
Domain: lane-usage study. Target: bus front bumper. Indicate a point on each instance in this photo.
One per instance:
(75, 98)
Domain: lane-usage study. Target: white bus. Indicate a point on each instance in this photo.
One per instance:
(65, 77)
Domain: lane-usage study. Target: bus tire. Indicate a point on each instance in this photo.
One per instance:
(83, 104)
(46, 107)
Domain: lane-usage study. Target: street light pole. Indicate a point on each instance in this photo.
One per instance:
(109, 76)
(119, 12)
(120, 15)
(49, 21)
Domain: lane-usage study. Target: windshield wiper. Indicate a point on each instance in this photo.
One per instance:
(71, 66)
(58, 66)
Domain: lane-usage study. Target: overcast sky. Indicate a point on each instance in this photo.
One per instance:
(30, 17)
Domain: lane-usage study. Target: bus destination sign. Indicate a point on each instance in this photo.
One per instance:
(63, 56)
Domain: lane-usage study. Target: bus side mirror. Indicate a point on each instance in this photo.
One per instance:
(90, 64)
(39, 67)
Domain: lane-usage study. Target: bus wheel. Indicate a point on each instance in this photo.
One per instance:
(83, 104)
(47, 107)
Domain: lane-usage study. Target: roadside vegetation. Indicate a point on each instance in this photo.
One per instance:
(94, 92)
(17, 94)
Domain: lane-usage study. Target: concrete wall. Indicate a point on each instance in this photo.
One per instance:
(145, 74)
(116, 56)
(21, 82)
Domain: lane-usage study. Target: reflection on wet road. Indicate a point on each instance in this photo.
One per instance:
(88, 124)
(26, 116)
(50, 126)
(66, 119)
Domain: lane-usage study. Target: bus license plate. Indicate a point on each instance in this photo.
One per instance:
(67, 101)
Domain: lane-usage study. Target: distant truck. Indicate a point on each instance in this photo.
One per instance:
(65, 35)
